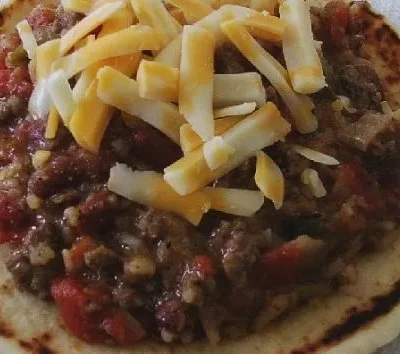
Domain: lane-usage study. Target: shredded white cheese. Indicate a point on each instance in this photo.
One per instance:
(237, 110)
(216, 152)
(149, 188)
(240, 202)
(61, 94)
(27, 38)
(302, 60)
(315, 156)
(305, 121)
(196, 80)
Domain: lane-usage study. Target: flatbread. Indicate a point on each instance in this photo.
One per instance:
(359, 319)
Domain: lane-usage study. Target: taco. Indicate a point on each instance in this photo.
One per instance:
(197, 176)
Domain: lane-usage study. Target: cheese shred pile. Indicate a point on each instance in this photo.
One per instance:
(155, 64)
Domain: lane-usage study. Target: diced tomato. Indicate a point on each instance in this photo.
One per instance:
(12, 211)
(41, 16)
(77, 252)
(71, 300)
(12, 236)
(123, 328)
(204, 265)
(280, 265)
(338, 23)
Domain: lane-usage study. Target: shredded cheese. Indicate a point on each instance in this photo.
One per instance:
(122, 92)
(266, 27)
(196, 80)
(85, 41)
(80, 6)
(305, 121)
(89, 132)
(269, 179)
(88, 24)
(124, 42)
(238, 110)
(264, 5)
(216, 152)
(312, 180)
(262, 128)
(149, 188)
(46, 55)
(154, 14)
(315, 156)
(39, 158)
(239, 202)
(27, 38)
(302, 60)
(189, 140)
(120, 20)
(53, 121)
(178, 15)
(193, 10)
(61, 94)
(158, 81)
(234, 89)
(171, 53)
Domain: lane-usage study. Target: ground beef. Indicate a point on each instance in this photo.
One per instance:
(63, 171)
(37, 262)
(238, 249)
(361, 84)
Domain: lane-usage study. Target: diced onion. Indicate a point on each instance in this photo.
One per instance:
(40, 157)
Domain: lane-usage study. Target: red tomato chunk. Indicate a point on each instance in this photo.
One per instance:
(99, 327)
